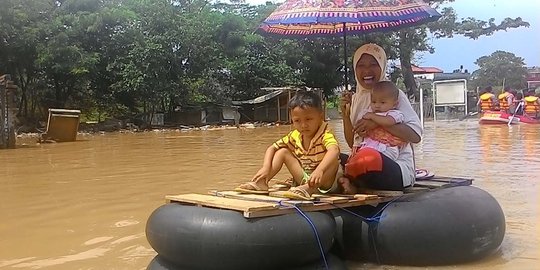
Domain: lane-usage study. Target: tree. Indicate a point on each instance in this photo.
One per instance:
(416, 39)
(498, 69)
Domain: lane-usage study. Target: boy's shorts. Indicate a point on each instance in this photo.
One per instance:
(334, 186)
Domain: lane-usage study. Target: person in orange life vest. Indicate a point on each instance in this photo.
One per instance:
(488, 101)
(517, 100)
(532, 104)
(506, 101)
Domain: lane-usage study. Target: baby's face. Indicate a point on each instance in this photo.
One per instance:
(382, 101)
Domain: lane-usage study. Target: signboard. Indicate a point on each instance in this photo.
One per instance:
(450, 92)
(451, 95)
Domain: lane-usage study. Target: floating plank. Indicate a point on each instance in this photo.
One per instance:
(364, 197)
(383, 193)
(442, 181)
(261, 206)
(220, 202)
(255, 197)
(333, 198)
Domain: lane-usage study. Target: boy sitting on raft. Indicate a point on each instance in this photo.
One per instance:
(310, 152)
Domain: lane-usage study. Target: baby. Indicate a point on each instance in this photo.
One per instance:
(384, 100)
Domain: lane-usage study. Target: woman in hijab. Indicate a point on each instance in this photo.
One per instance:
(381, 172)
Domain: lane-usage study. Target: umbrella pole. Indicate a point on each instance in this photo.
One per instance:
(345, 57)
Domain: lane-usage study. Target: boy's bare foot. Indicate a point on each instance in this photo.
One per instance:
(347, 186)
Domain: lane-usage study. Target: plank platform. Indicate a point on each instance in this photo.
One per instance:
(273, 204)
(442, 181)
(253, 206)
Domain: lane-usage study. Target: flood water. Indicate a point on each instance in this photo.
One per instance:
(84, 205)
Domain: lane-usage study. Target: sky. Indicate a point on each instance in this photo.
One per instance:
(450, 53)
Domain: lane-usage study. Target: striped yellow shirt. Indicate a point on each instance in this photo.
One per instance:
(309, 158)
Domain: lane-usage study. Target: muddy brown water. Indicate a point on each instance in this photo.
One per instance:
(84, 205)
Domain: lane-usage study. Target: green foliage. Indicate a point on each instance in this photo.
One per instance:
(123, 57)
(498, 69)
(416, 40)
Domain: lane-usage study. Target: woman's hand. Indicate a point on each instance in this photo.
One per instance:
(363, 126)
(345, 103)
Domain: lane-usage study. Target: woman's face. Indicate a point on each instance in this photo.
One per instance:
(368, 71)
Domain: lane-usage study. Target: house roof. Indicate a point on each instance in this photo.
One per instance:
(451, 76)
(424, 70)
(260, 99)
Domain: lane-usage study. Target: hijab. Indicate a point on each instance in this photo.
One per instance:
(362, 98)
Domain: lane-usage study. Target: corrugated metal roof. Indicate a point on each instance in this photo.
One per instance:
(260, 99)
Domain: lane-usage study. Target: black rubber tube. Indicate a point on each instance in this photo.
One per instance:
(440, 227)
(206, 238)
(334, 263)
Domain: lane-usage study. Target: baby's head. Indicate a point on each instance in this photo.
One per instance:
(384, 96)
(306, 112)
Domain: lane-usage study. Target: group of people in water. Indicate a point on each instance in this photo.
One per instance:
(511, 102)
(379, 125)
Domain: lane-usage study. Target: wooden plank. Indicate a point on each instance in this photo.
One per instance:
(219, 202)
(262, 206)
(331, 198)
(254, 197)
(382, 193)
(463, 181)
(364, 197)
(334, 198)
(315, 207)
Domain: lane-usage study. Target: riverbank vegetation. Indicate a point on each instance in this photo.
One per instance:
(117, 58)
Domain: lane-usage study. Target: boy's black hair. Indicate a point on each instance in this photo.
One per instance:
(389, 86)
(304, 99)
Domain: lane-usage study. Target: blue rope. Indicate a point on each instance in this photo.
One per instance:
(374, 218)
(370, 221)
(314, 231)
(286, 204)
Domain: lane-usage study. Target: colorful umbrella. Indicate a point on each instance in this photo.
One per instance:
(326, 18)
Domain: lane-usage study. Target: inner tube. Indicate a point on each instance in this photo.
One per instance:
(439, 227)
(334, 263)
(203, 238)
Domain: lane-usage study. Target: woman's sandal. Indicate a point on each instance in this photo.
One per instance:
(251, 188)
(298, 193)
(422, 174)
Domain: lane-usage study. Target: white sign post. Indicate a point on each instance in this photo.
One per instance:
(449, 93)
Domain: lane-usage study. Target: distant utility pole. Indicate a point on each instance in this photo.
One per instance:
(8, 109)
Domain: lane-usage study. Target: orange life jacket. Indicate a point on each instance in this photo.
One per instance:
(486, 103)
(503, 102)
(531, 105)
